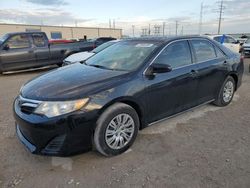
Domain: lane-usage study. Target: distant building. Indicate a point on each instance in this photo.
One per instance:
(63, 32)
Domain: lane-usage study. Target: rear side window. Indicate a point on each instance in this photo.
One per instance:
(38, 40)
(230, 40)
(203, 50)
(219, 53)
(218, 39)
(18, 41)
(176, 55)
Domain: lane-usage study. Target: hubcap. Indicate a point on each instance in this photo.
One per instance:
(119, 131)
(228, 91)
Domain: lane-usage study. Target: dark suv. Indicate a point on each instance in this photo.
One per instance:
(126, 87)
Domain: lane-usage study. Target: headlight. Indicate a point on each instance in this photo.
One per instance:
(57, 108)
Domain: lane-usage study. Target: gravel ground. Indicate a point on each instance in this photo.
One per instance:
(206, 147)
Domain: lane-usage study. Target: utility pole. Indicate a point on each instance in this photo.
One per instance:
(201, 16)
(163, 28)
(182, 30)
(133, 28)
(109, 23)
(220, 17)
(114, 23)
(149, 29)
(176, 27)
(76, 23)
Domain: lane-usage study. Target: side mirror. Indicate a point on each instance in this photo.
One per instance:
(6, 47)
(158, 68)
(236, 42)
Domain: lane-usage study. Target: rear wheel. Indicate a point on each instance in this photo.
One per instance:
(226, 93)
(116, 129)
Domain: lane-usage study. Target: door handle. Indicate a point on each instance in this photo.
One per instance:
(225, 62)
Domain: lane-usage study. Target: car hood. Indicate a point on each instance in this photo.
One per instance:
(71, 82)
(81, 56)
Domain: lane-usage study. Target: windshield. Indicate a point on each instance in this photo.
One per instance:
(103, 46)
(125, 56)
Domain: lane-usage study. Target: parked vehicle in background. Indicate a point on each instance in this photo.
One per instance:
(59, 41)
(246, 48)
(98, 41)
(228, 41)
(24, 50)
(81, 56)
(103, 102)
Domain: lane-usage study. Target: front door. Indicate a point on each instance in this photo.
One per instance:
(19, 53)
(174, 91)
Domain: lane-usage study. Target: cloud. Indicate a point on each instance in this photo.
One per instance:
(38, 16)
(48, 2)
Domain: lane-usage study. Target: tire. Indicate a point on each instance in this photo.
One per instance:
(223, 98)
(105, 131)
(59, 64)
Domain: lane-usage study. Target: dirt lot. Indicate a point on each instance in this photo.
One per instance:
(206, 147)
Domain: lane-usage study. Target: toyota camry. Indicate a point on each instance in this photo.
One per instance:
(102, 103)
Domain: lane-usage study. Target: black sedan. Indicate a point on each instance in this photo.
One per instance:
(103, 102)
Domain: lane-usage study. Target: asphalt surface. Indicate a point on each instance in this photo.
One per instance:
(205, 147)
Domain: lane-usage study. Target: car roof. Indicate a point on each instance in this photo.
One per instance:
(165, 39)
(212, 36)
(27, 32)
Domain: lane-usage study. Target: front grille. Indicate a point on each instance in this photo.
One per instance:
(27, 105)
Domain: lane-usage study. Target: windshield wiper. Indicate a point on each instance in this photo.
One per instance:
(100, 66)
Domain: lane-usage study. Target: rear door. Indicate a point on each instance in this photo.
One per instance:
(175, 91)
(19, 55)
(211, 64)
(41, 49)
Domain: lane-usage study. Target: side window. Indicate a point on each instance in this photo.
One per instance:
(219, 53)
(204, 51)
(218, 39)
(18, 41)
(230, 40)
(176, 55)
(38, 40)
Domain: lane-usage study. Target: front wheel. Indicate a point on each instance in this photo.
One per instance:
(226, 93)
(116, 129)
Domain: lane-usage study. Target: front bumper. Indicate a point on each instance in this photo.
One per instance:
(60, 136)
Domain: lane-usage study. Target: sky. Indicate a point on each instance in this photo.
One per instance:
(140, 13)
